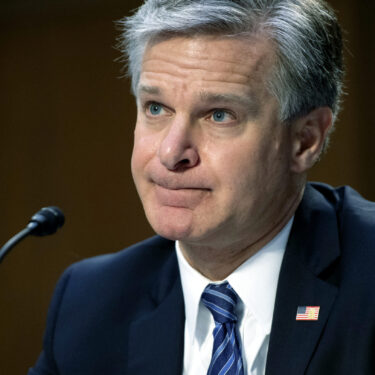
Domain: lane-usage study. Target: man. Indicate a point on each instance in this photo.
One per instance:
(253, 271)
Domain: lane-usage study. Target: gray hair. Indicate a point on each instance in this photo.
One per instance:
(309, 67)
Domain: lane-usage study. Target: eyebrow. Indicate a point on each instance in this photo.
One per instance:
(227, 98)
(250, 102)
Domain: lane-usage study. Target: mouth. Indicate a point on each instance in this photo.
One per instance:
(177, 184)
(180, 196)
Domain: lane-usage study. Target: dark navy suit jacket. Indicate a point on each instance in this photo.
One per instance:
(123, 313)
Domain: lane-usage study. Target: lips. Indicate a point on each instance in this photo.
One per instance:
(178, 181)
(180, 196)
(178, 184)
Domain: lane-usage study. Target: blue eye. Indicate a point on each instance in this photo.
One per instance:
(219, 115)
(155, 109)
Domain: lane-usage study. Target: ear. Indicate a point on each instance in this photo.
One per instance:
(308, 135)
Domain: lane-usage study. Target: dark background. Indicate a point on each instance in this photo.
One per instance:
(66, 137)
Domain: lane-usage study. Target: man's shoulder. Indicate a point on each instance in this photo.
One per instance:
(355, 221)
(143, 251)
(347, 202)
(140, 261)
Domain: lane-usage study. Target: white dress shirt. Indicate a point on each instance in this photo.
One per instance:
(255, 282)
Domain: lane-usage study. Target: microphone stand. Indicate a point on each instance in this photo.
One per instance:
(15, 239)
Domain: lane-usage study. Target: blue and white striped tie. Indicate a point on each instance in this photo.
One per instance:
(221, 300)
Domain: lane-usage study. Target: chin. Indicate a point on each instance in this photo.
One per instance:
(175, 225)
(172, 232)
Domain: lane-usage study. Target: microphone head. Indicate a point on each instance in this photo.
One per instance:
(46, 221)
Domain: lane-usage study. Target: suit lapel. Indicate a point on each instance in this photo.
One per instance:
(309, 260)
(156, 339)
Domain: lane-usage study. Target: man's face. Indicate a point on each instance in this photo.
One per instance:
(211, 162)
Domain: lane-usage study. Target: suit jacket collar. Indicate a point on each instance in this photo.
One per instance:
(156, 338)
(305, 279)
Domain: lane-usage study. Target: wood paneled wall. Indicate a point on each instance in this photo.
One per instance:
(66, 137)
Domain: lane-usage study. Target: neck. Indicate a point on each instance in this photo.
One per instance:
(218, 262)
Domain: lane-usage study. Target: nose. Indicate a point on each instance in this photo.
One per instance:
(177, 150)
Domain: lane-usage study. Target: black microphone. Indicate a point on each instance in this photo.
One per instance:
(44, 222)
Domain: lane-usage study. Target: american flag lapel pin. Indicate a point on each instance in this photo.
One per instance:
(307, 313)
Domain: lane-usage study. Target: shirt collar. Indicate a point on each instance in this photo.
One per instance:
(255, 281)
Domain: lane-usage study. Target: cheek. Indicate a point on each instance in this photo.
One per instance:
(238, 172)
(144, 148)
(249, 169)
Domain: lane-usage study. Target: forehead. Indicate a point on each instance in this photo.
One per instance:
(208, 62)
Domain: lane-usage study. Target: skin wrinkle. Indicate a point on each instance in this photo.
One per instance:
(182, 70)
(184, 64)
(240, 80)
(187, 63)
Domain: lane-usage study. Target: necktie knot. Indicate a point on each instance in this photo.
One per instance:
(221, 300)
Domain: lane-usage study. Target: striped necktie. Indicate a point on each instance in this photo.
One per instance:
(226, 359)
